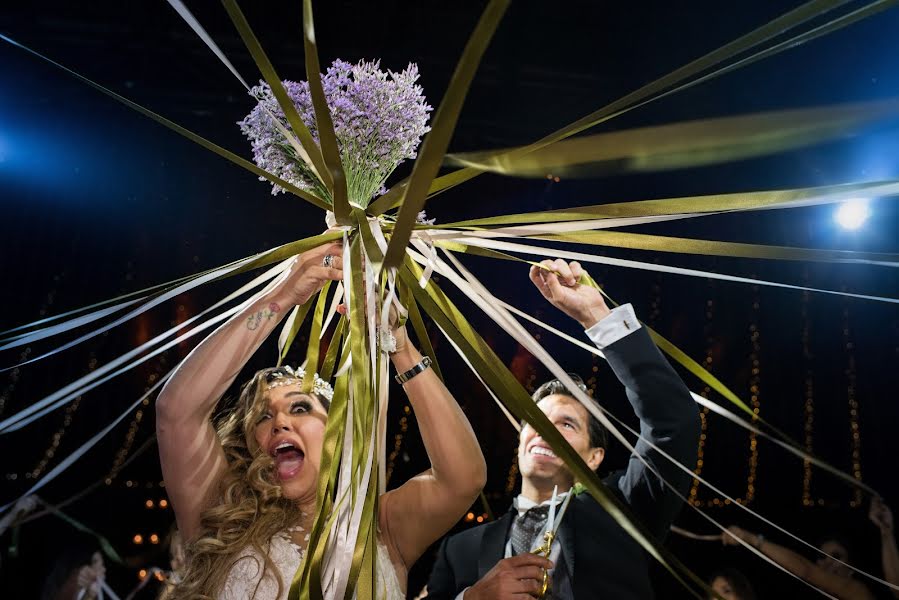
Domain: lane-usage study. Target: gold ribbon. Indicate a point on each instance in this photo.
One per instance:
(274, 82)
(314, 346)
(295, 322)
(682, 145)
(430, 155)
(712, 203)
(335, 180)
(661, 243)
(680, 79)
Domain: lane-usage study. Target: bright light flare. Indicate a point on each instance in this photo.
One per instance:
(852, 214)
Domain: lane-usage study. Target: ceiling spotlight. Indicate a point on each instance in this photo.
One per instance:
(852, 214)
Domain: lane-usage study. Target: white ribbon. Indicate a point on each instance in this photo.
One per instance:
(198, 29)
(335, 302)
(431, 253)
(887, 189)
(464, 358)
(559, 227)
(95, 378)
(633, 264)
(180, 289)
(45, 332)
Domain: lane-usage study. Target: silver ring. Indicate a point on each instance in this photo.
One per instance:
(328, 260)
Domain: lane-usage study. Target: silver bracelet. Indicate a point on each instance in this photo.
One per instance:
(422, 365)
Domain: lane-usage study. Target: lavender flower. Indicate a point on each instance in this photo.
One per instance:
(379, 120)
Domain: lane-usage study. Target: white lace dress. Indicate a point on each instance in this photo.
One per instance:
(245, 580)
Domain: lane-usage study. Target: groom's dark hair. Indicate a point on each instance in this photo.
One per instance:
(598, 436)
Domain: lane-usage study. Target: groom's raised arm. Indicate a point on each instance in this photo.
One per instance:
(668, 416)
(668, 419)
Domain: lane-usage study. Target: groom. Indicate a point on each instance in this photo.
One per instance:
(593, 557)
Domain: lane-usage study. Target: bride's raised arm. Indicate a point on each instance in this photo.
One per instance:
(420, 511)
(190, 451)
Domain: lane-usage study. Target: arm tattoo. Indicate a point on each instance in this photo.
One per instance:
(266, 314)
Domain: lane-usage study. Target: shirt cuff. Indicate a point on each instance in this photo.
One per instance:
(461, 595)
(620, 322)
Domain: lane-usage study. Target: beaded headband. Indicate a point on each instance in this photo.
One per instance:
(295, 376)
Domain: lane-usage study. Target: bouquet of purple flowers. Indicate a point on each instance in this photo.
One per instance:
(379, 119)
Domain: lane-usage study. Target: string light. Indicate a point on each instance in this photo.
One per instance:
(148, 485)
(15, 374)
(398, 441)
(754, 397)
(138, 539)
(121, 454)
(852, 401)
(57, 437)
(154, 539)
(809, 406)
(142, 574)
(149, 504)
(163, 503)
(707, 330)
(755, 384)
(133, 427)
(855, 439)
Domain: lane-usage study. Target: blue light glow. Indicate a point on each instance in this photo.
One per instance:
(852, 214)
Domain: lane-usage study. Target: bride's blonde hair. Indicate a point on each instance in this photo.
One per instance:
(250, 508)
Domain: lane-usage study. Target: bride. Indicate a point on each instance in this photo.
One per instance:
(244, 488)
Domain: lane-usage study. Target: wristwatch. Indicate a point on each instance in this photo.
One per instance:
(423, 364)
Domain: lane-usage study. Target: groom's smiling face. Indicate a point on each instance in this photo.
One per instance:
(538, 462)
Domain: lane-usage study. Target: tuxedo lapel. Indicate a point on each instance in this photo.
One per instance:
(582, 545)
(567, 537)
(493, 544)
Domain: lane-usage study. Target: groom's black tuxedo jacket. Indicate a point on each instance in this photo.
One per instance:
(601, 559)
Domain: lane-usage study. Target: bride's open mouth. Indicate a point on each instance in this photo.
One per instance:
(288, 460)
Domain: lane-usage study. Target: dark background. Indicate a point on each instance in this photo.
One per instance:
(96, 200)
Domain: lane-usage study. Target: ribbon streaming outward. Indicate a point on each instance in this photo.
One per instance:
(309, 151)
(683, 78)
(690, 205)
(109, 371)
(437, 141)
(684, 145)
(391, 261)
(485, 300)
(335, 180)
